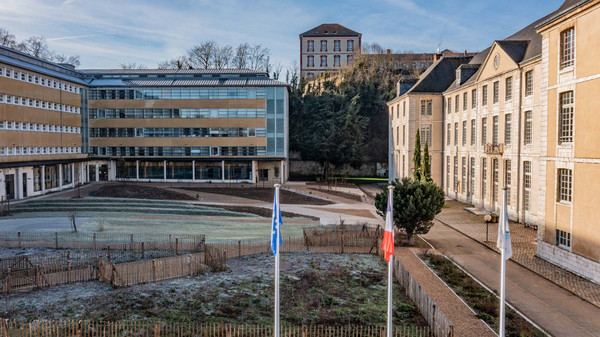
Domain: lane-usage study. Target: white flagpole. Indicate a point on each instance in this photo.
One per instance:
(390, 273)
(276, 327)
(503, 267)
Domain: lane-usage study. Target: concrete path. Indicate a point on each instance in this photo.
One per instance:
(556, 310)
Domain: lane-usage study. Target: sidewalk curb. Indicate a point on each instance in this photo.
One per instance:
(522, 265)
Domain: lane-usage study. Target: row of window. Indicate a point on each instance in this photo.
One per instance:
(185, 170)
(32, 151)
(22, 126)
(310, 45)
(179, 151)
(310, 60)
(40, 80)
(34, 103)
(51, 176)
(177, 113)
(204, 93)
(177, 132)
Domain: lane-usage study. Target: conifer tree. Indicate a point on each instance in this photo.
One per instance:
(417, 158)
(426, 163)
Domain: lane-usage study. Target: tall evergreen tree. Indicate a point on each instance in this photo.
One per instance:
(417, 158)
(426, 163)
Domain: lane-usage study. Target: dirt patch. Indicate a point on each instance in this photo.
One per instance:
(344, 195)
(260, 211)
(138, 192)
(328, 289)
(354, 212)
(262, 194)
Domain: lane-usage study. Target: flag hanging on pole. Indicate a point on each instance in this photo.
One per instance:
(503, 242)
(276, 229)
(387, 244)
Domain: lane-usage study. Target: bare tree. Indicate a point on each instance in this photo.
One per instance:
(132, 65)
(258, 58)
(181, 62)
(62, 58)
(38, 47)
(240, 60)
(7, 39)
(202, 56)
(277, 69)
(223, 57)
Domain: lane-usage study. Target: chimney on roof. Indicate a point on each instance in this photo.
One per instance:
(388, 51)
(437, 56)
(465, 52)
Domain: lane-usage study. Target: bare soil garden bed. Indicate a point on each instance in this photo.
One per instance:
(328, 289)
(262, 194)
(260, 211)
(138, 192)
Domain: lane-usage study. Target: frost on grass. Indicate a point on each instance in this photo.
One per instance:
(329, 289)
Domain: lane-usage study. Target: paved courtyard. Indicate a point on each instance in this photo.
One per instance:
(523, 247)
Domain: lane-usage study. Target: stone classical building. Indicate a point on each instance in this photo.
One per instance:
(519, 116)
(60, 126)
(326, 49)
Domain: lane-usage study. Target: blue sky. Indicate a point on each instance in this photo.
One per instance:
(106, 33)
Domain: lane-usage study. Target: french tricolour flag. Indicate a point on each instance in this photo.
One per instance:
(388, 235)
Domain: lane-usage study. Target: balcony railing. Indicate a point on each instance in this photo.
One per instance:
(494, 148)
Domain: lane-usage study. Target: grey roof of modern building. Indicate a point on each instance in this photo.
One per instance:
(174, 82)
(25, 61)
(330, 29)
(169, 71)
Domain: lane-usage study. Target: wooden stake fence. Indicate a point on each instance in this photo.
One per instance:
(179, 329)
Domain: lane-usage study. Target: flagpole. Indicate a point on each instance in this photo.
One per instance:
(503, 267)
(390, 273)
(276, 327)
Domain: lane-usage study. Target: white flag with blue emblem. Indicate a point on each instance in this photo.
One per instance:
(503, 242)
(276, 230)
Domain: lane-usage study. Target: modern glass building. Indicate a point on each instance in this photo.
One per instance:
(137, 125)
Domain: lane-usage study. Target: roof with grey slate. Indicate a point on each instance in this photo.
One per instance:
(136, 82)
(330, 29)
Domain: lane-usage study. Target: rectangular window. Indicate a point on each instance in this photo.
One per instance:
(403, 135)
(472, 187)
(350, 45)
(455, 174)
(449, 134)
(349, 59)
(426, 135)
(473, 131)
(473, 98)
(529, 83)
(336, 45)
(484, 95)
(565, 129)
(456, 133)
(508, 89)
(464, 133)
(567, 48)
(508, 179)
(310, 61)
(565, 184)
(448, 173)
(563, 239)
(463, 181)
(496, 91)
(323, 61)
(507, 128)
(310, 46)
(495, 130)
(465, 101)
(449, 104)
(495, 177)
(526, 185)
(483, 131)
(456, 103)
(528, 137)
(323, 45)
(426, 107)
(336, 60)
(483, 178)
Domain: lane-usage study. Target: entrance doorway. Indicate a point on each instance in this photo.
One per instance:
(24, 184)
(9, 185)
(103, 172)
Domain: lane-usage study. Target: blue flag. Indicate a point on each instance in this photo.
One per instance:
(276, 224)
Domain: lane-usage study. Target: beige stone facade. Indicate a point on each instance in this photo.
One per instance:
(520, 116)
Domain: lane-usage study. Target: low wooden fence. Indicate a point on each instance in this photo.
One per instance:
(136, 242)
(180, 329)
